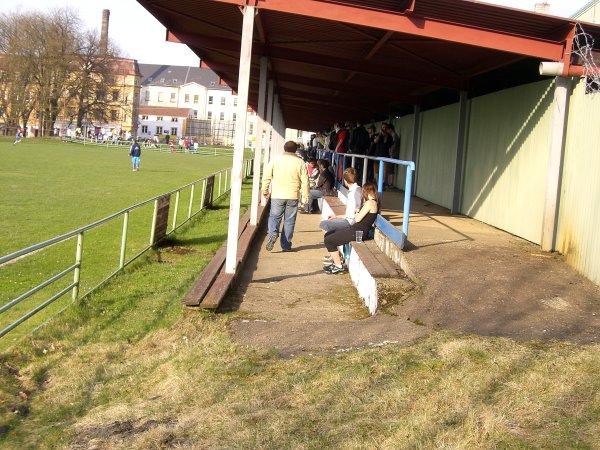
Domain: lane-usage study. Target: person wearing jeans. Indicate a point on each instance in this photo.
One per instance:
(284, 178)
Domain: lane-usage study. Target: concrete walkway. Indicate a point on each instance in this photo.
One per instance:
(468, 277)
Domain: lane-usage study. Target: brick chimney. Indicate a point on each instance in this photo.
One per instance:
(104, 32)
(542, 8)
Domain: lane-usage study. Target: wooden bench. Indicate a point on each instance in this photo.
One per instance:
(213, 283)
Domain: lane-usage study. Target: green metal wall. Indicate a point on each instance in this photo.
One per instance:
(437, 154)
(579, 214)
(507, 158)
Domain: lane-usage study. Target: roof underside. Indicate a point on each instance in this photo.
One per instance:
(368, 59)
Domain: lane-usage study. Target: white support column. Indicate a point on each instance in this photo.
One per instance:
(262, 91)
(269, 128)
(239, 140)
(416, 138)
(460, 151)
(560, 107)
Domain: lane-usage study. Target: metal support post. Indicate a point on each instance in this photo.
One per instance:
(77, 271)
(240, 138)
(153, 226)
(460, 151)
(175, 211)
(560, 108)
(191, 201)
(124, 239)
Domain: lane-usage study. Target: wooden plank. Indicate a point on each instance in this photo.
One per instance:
(217, 291)
(206, 278)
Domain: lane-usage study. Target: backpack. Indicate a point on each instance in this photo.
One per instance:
(332, 140)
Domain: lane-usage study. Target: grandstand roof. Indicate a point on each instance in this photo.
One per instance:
(348, 59)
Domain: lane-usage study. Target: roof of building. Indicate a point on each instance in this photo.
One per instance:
(126, 66)
(164, 111)
(348, 59)
(175, 76)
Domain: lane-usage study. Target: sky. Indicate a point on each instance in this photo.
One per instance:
(140, 36)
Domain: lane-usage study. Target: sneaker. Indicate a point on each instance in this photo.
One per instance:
(287, 249)
(271, 242)
(334, 270)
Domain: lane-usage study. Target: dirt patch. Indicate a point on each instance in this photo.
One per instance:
(102, 437)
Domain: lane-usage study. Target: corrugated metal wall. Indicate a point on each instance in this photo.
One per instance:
(579, 214)
(437, 154)
(404, 128)
(507, 157)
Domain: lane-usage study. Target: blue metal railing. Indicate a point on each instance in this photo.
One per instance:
(342, 159)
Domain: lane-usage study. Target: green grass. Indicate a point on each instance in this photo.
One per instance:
(51, 188)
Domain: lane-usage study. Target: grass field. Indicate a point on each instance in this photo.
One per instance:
(51, 188)
(129, 368)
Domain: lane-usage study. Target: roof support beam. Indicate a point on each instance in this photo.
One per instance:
(317, 59)
(416, 26)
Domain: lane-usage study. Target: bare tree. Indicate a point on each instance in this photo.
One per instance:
(49, 65)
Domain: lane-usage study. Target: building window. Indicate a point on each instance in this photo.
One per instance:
(209, 115)
(234, 101)
(210, 99)
(113, 114)
(158, 130)
(222, 101)
(187, 98)
(159, 118)
(162, 80)
(195, 114)
(174, 80)
(173, 95)
(115, 95)
(147, 96)
(234, 116)
(160, 96)
(196, 98)
(144, 117)
(144, 129)
(174, 131)
(174, 119)
(222, 116)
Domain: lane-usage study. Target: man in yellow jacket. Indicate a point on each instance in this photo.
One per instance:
(287, 177)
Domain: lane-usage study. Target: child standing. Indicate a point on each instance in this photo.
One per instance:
(135, 152)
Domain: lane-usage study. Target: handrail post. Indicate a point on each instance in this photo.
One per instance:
(153, 229)
(219, 189)
(353, 161)
(203, 193)
(77, 271)
(175, 211)
(225, 184)
(380, 177)
(191, 201)
(407, 195)
(124, 239)
(364, 174)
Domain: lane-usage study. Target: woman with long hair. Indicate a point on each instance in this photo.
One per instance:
(364, 220)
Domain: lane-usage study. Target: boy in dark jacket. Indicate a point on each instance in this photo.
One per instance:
(135, 152)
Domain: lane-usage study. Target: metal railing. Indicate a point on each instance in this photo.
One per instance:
(219, 183)
(342, 159)
(173, 147)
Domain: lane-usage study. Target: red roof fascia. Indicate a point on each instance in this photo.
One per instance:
(416, 26)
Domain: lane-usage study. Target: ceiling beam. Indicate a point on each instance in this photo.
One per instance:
(318, 59)
(412, 24)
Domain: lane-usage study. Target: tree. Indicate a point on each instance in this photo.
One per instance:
(49, 65)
